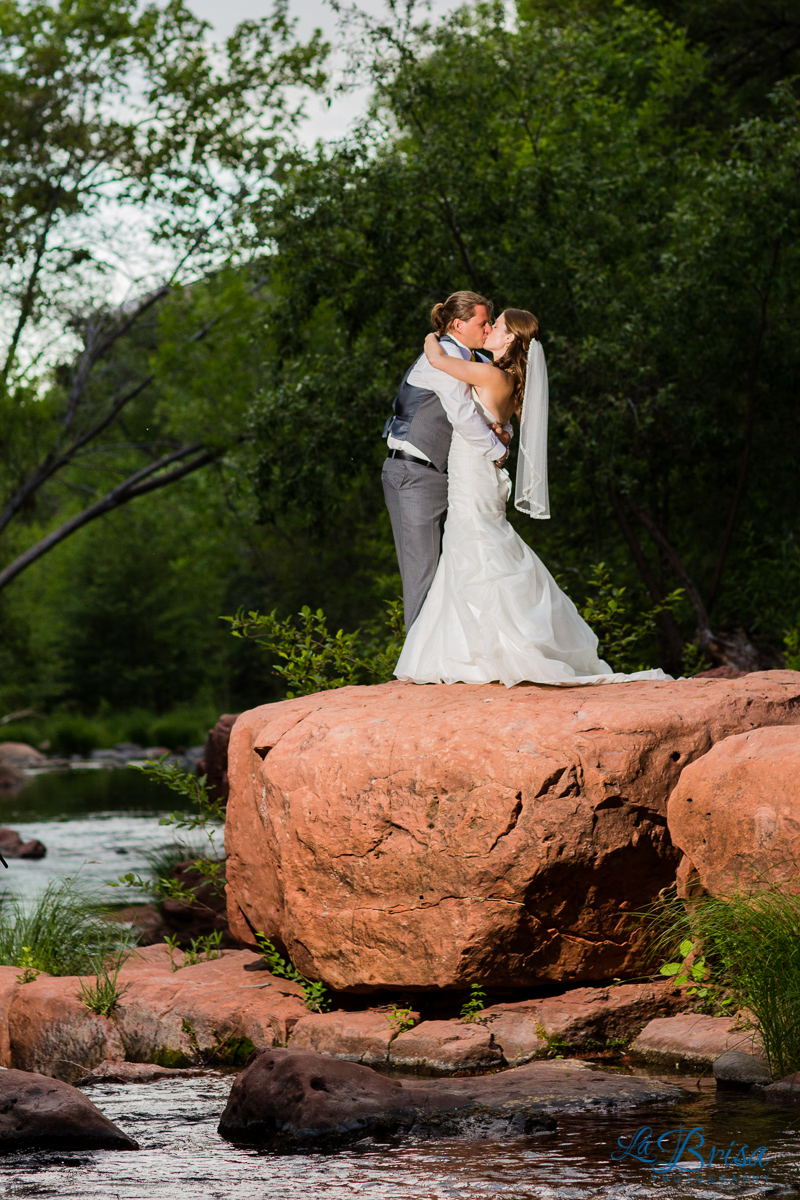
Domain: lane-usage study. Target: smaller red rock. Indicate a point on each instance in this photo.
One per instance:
(784, 1091)
(446, 1046)
(692, 1040)
(214, 763)
(355, 1037)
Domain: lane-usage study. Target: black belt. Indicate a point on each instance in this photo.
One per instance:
(412, 458)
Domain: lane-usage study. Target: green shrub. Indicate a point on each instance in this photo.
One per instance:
(29, 733)
(791, 648)
(61, 933)
(206, 819)
(622, 629)
(756, 939)
(64, 733)
(312, 659)
(745, 951)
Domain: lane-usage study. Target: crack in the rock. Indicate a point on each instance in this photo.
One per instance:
(396, 911)
(512, 822)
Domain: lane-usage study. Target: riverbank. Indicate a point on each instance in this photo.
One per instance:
(176, 1013)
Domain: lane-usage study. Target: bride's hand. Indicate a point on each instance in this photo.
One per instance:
(432, 348)
(501, 434)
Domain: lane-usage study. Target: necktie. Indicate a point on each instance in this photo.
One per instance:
(472, 357)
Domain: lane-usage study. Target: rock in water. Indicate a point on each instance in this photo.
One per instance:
(434, 837)
(39, 1113)
(12, 845)
(21, 755)
(736, 813)
(735, 1068)
(288, 1100)
(214, 762)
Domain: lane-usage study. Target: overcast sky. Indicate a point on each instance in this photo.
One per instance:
(323, 122)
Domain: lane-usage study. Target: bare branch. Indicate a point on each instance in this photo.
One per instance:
(26, 306)
(138, 484)
(54, 462)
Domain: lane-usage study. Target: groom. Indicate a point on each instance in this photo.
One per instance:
(427, 408)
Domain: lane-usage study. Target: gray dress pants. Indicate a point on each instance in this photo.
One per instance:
(416, 498)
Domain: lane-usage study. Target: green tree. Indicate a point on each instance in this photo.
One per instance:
(596, 170)
(127, 139)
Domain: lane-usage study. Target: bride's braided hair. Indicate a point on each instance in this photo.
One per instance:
(458, 307)
(525, 328)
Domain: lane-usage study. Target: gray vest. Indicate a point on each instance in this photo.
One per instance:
(420, 419)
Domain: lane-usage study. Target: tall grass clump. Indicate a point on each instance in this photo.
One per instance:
(756, 940)
(60, 933)
(747, 946)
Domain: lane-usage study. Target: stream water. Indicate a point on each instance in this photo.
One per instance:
(86, 818)
(96, 825)
(182, 1156)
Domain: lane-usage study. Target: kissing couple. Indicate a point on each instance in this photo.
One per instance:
(480, 607)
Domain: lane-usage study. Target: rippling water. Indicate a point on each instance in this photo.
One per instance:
(182, 1157)
(96, 825)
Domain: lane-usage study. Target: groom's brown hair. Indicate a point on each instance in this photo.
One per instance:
(458, 307)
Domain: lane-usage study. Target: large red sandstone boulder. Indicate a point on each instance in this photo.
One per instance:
(431, 837)
(736, 813)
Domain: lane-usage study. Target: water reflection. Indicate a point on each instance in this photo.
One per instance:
(183, 1157)
(96, 825)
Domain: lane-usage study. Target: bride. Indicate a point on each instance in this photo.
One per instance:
(494, 611)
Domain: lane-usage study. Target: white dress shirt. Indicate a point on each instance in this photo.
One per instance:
(457, 402)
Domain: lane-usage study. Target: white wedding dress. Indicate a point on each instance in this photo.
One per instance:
(494, 611)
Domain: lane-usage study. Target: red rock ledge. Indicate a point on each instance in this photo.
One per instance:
(432, 837)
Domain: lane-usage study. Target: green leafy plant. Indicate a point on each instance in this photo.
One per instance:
(203, 948)
(172, 943)
(747, 946)
(206, 817)
(28, 964)
(313, 659)
(61, 933)
(400, 1019)
(791, 648)
(694, 973)
(620, 628)
(695, 659)
(474, 1006)
(315, 994)
(103, 996)
(755, 938)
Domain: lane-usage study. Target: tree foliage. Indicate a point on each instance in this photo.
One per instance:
(132, 149)
(597, 172)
